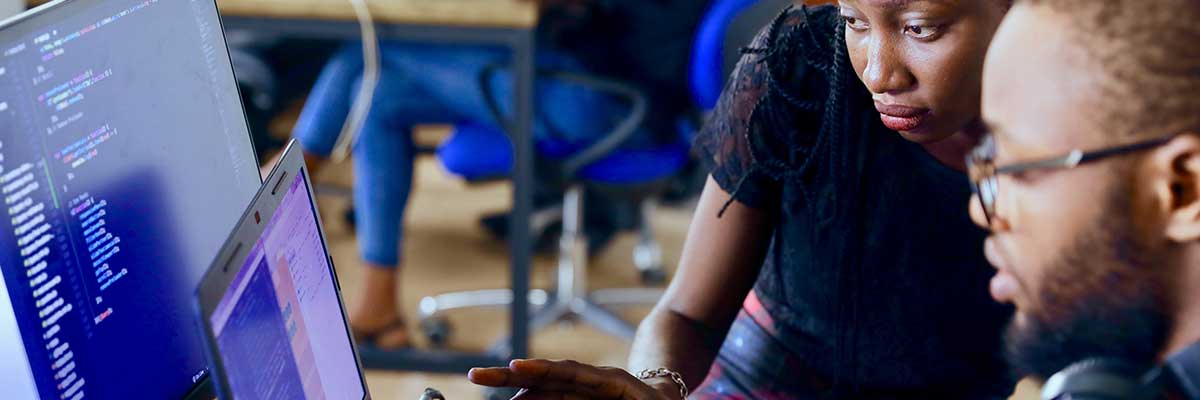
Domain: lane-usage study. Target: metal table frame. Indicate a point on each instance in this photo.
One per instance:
(520, 41)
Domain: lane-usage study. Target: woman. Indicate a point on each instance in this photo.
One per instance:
(868, 280)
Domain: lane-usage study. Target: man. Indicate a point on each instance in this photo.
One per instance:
(1099, 246)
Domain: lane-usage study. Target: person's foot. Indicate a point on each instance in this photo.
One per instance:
(376, 319)
(389, 335)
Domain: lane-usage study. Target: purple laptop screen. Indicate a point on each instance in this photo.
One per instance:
(279, 328)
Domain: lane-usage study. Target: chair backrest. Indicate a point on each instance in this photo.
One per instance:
(727, 26)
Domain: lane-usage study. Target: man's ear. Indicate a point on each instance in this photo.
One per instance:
(1176, 166)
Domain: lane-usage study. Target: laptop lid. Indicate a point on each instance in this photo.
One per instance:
(270, 304)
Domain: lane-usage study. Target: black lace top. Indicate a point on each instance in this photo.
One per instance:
(875, 272)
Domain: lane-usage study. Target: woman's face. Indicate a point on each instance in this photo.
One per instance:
(922, 60)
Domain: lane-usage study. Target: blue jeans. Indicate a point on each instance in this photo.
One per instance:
(430, 84)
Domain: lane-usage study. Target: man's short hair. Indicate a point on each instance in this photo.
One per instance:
(1147, 57)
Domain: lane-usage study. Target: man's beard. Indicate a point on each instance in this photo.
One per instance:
(1101, 299)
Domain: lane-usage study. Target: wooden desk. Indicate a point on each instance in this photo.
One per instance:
(465, 13)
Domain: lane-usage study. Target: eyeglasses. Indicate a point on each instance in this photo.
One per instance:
(985, 174)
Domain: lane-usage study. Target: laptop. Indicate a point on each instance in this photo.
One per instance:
(270, 304)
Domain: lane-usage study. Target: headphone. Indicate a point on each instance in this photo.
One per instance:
(1109, 379)
(1104, 379)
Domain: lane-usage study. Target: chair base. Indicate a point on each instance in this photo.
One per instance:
(570, 300)
(546, 309)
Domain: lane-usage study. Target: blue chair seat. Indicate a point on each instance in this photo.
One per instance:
(476, 152)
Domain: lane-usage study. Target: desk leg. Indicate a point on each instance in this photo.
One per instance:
(521, 244)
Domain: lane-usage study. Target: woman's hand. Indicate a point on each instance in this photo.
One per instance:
(544, 379)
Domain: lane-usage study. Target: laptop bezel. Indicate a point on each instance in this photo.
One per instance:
(232, 258)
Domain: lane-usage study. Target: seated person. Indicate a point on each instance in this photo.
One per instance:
(425, 83)
(835, 202)
(1100, 253)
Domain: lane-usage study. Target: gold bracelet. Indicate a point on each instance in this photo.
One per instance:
(666, 373)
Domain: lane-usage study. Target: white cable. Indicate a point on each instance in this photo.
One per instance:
(348, 138)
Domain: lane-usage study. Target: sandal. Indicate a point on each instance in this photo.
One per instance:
(372, 338)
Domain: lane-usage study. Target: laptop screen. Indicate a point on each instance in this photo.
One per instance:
(279, 327)
(125, 160)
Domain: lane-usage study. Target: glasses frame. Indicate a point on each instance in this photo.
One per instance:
(985, 175)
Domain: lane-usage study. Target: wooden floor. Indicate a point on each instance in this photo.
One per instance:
(446, 250)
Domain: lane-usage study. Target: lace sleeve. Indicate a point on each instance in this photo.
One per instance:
(767, 116)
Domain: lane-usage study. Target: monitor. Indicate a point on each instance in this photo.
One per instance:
(125, 160)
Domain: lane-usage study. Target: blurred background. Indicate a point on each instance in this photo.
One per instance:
(608, 213)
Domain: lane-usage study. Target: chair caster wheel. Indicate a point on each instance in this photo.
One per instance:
(499, 393)
(654, 277)
(437, 330)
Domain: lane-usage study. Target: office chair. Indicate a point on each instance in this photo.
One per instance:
(476, 151)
